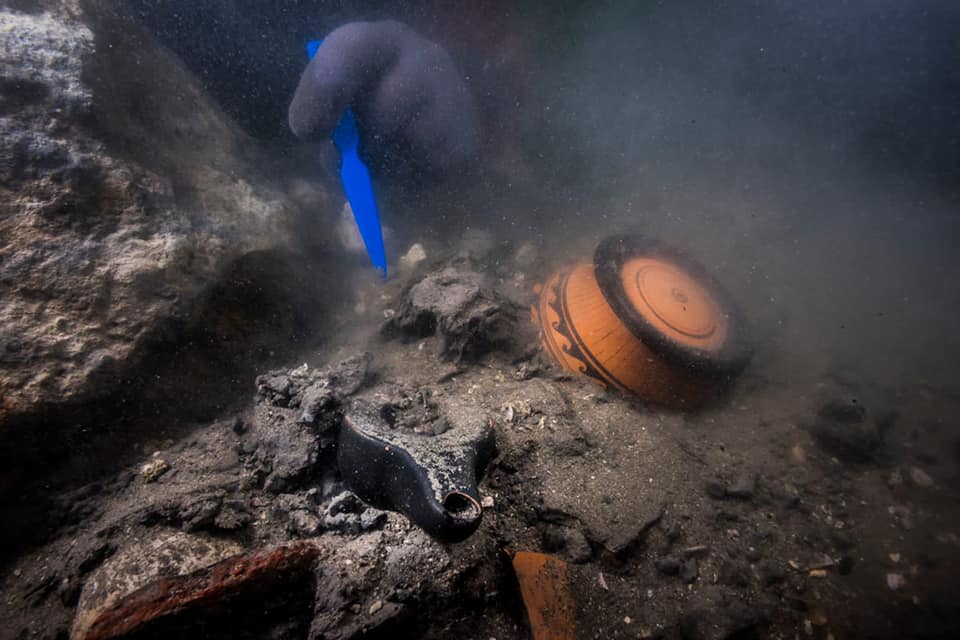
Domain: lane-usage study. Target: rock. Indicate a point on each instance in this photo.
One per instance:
(842, 429)
(303, 524)
(127, 195)
(896, 581)
(372, 519)
(329, 388)
(920, 478)
(317, 399)
(317, 392)
(568, 541)
(343, 502)
(743, 487)
(284, 449)
(152, 470)
(462, 307)
(346, 523)
(240, 592)
(200, 510)
(414, 256)
(136, 565)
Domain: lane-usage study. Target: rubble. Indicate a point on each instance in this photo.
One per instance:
(461, 306)
(843, 428)
(136, 565)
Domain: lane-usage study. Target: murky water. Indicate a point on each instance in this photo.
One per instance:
(185, 241)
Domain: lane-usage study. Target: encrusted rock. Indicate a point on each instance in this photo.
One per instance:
(284, 449)
(167, 604)
(152, 470)
(136, 565)
(843, 429)
(459, 305)
(568, 541)
(111, 235)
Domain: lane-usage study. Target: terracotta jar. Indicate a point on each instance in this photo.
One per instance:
(643, 319)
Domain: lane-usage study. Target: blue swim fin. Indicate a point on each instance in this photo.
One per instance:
(356, 182)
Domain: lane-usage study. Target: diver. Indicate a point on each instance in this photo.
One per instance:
(416, 114)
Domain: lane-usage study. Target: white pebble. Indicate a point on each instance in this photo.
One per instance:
(920, 477)
(414, 256)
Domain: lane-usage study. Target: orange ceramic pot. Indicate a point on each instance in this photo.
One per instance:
(645, 320)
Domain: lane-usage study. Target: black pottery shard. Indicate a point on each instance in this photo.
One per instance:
(431, 479)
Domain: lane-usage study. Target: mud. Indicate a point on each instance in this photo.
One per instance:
(785, 509)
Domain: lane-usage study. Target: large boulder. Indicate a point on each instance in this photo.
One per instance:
(126, 195)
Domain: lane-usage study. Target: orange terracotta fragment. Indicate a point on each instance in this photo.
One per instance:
(215, 584)
(545, 588)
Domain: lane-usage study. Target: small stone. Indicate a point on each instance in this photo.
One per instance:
(487, 502)
(343, 502)
(372, 519)
(348, 523)
(570, 541)
(627, 620)
(376, 606)
(602, 582)
(895, 581)
(152, 470)
(303, 524)
(440, 426)
(920, 478)
(798, 454)
(818, 573)
(414, 256)
(894, 557)
(843, 430)
(696, 550)
(743, 487)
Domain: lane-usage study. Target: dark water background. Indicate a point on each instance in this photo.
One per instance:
(809, 153)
